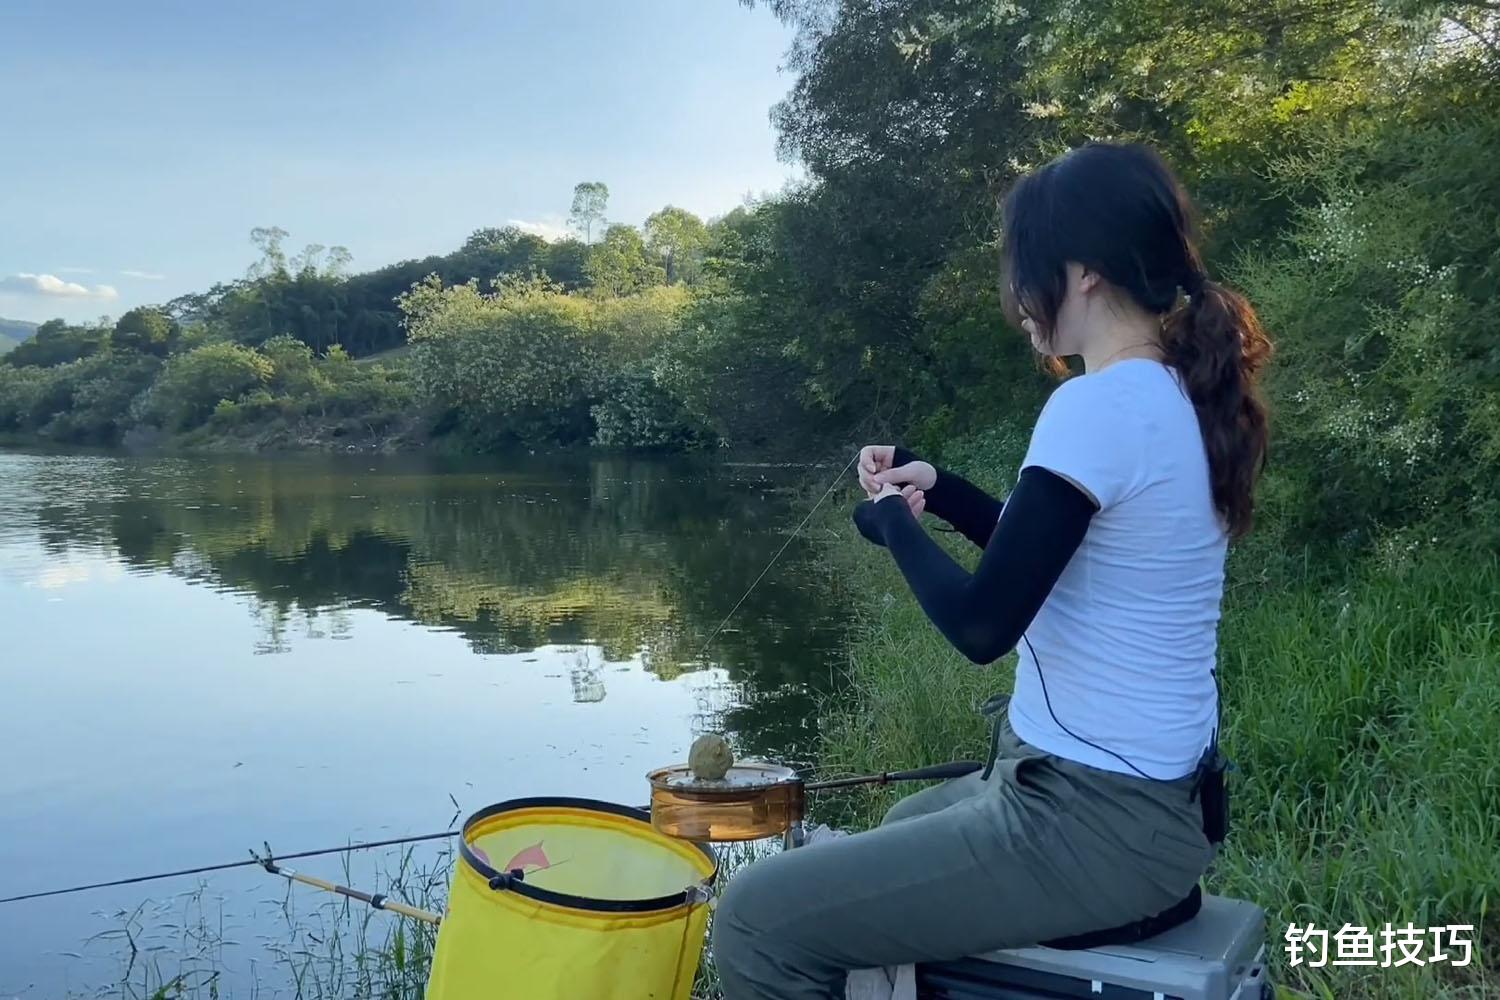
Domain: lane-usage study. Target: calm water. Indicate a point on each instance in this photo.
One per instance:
(201, 655)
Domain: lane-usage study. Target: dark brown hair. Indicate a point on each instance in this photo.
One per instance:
(1119, 211)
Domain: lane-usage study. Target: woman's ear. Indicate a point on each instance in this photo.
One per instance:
(1081, 279)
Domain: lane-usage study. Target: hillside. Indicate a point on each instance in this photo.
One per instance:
(13, 331)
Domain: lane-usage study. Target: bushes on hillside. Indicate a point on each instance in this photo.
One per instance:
(521, 363)
(192, 384)
(57, 343)
(530, 363)
(84, 401)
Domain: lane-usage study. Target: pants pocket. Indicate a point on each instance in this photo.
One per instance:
(1040, 781)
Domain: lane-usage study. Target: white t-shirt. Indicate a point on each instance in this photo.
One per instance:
(1127, 638)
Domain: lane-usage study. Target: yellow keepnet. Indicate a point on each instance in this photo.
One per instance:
(606, 908)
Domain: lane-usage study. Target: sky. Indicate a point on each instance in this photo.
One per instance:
(141, 142)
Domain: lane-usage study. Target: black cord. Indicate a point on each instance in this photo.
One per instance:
(1048, 698)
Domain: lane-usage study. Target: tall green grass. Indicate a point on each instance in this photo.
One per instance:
(1362, 710)
(326, 948)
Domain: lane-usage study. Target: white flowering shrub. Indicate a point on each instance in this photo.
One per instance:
(519, 363)
(528, 362)
(637, 411)
(1386, 391)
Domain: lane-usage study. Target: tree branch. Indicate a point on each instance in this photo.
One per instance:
(1478, 36)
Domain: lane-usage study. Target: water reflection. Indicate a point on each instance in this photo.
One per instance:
(639, 558)
(201, 654)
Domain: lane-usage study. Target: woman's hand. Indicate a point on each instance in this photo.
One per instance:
(915, 498)
(873, 460)
(876, 472)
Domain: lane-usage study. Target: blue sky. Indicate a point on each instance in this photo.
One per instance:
(140, 142)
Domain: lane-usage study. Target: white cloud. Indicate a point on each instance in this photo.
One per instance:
(144, 275)
(51, 286)
(550, 230)
(75, 270)
(72, 571)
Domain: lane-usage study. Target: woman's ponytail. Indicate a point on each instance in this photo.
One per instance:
(1218, 347)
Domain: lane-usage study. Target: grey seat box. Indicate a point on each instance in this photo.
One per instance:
(1218, 955)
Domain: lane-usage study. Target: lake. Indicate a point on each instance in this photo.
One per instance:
(203, 654)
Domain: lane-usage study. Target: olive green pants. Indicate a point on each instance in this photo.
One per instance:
(1046, 848)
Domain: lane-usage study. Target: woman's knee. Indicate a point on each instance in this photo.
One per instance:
(928, 800)
(903, 809)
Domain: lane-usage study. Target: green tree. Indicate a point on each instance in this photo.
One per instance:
(145, 330)
(566, 262)
(268, 240)
(590, 199)
(56, 343)
(192, 384)
(637, 406)
(677, 239)
(20, 390)
(1387, 390)
(619, 264)
(294, 372)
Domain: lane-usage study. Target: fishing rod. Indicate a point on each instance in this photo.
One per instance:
(375, 900)
(935, 772)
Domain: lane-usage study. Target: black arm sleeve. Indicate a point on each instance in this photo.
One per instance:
(971, 511)
(984, 613)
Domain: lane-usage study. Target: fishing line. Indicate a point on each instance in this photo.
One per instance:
(233, 864)
(785, 545)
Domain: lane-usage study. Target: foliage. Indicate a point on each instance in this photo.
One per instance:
(311, 298)
(192, 384)
(1383, 294)
(678, 240)
(637, 407)
(100, 391)
(20, 389)
(637, 411)
(145, 330)
(84, 401)
(57, 343)
(332, 387)
(521, 363)
(619, 264)
(529, 362)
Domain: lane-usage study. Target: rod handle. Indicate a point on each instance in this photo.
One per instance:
(937, 772)
(933, 772)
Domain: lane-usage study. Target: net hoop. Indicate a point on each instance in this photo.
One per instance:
(500, 881)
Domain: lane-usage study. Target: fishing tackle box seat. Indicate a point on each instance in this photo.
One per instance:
(1218, 954)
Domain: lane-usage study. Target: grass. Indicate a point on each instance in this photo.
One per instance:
(1363, 715)
(327, 948)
